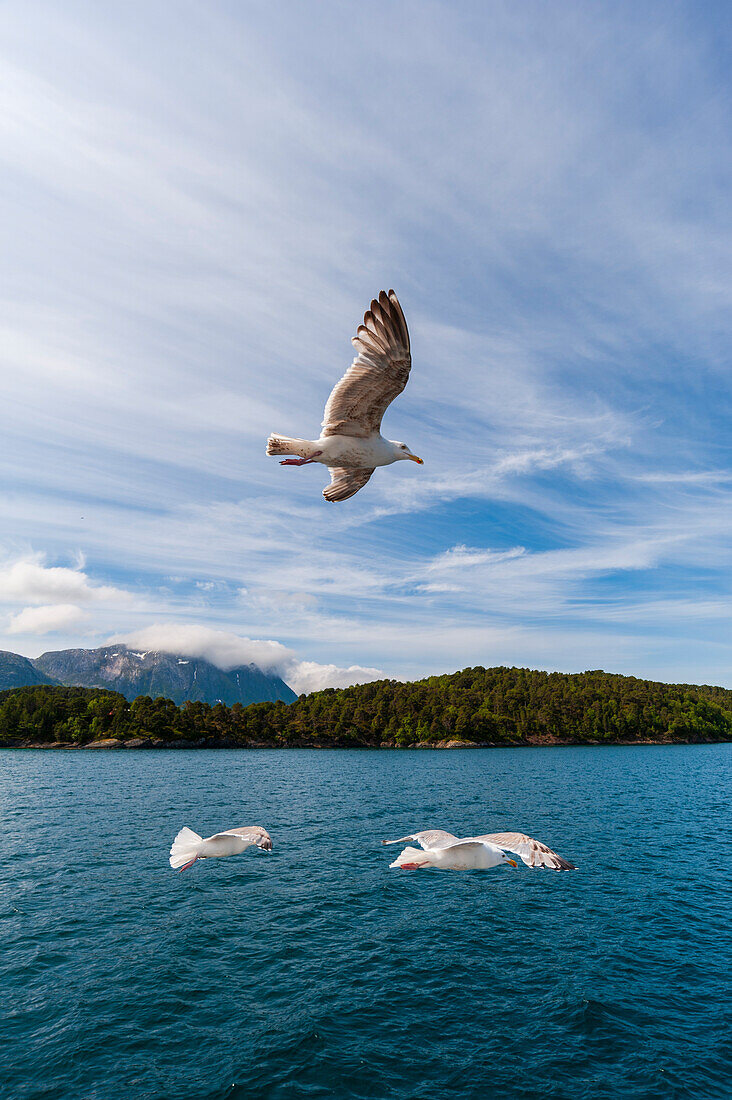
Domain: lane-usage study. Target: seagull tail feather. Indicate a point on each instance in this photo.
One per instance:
(411, 857)
(284, 445)
(186, 848)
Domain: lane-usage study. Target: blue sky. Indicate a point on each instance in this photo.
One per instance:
(200, 199)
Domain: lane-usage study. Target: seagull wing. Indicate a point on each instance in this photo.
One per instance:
(532, 852)
(344, 483)
(255, 834)
(430, 838)
(473, 844)
(376, 376)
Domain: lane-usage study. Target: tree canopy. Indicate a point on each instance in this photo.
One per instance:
(501, 706)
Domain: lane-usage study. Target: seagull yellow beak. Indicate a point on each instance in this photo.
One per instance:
(512, 862)
(415, 459)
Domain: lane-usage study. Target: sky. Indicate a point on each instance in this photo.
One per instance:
(200, 199)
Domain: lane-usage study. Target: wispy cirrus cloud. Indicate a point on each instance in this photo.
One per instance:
(195, 223)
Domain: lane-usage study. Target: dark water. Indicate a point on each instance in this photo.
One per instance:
(317, 972)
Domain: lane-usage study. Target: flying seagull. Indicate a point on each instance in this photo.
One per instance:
(189, 846)
(452, 853)
(351, 443)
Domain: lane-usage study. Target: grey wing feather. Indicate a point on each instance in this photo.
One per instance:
(376, 376)
(532, 852)
(255, 834)
(435, 838)
(429, 838)
(467, 845)
(345, 482)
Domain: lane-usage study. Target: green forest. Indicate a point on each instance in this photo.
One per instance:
(494, 706)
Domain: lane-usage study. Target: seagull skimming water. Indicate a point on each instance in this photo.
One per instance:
(451, 853)
(351, 443)
(189, 846)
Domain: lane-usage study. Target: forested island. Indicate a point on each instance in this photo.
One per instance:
(478, 706)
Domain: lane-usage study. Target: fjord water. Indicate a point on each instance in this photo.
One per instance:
(318, 972)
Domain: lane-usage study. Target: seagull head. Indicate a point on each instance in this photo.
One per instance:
(507, 859)
(401, 450)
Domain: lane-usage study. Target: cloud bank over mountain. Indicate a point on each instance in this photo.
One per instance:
(29, 580)
(227, 650)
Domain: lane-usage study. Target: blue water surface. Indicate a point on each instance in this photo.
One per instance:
(317, 972)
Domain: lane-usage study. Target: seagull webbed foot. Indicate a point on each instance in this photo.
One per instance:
(300, 461)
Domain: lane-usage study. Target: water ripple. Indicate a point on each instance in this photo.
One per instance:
(316, 972)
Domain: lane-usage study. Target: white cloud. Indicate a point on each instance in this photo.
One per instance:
(703, 478)
(227, 650)
(30, 581)
(222, 648)
(461, 557)
(306, 676)
(550, 567)
(44, 620)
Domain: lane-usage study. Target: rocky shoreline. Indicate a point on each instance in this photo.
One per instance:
(148, 743)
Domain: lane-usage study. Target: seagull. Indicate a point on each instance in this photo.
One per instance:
(351, 443)
(189, 846)
(452, 853)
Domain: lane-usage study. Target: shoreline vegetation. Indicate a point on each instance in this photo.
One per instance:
(474, 708)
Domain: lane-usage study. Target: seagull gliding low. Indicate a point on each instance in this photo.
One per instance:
(451, 853)
(189, 846)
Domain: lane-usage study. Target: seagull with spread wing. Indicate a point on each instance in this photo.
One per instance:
(351, 443)
(452, 853)
(189, 846)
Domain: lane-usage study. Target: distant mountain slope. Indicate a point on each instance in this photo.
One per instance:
(133, 673)
(18, 671)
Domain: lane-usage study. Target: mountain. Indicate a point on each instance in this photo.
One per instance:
(133, 673)
(17, 671)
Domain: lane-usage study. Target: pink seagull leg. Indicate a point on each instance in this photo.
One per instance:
(300, 461)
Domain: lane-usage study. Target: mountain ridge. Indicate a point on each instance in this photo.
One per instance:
(148, 672)
(19, 671)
